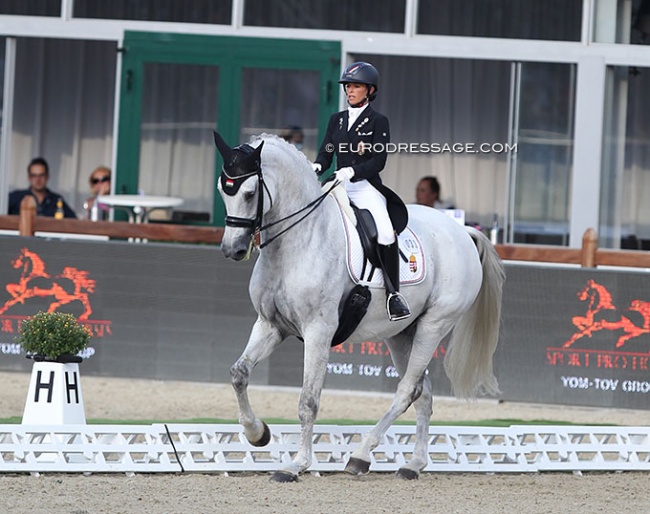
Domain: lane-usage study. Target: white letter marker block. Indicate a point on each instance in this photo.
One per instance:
(54, 396)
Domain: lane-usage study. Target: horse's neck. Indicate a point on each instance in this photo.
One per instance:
(38, 269)
(316, 222)
(604, 298)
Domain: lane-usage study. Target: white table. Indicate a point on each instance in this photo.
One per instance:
(139, 206)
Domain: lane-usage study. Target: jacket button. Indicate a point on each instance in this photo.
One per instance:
(354, 161)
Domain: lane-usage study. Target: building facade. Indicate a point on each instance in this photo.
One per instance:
(535, 111)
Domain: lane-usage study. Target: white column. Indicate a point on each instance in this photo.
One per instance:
(7, 122)
(588, 146)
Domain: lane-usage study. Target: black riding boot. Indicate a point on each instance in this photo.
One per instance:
(395, 303)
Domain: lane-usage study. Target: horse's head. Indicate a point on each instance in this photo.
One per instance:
(241, 184)
(21, 260)
(587, 291)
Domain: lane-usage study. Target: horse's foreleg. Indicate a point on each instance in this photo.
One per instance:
(263, 340)
(87, 308)
(317, 349)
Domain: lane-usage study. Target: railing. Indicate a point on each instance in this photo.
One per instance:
(588, 256)
(114, 229)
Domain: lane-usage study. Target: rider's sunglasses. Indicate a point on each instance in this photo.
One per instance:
(37, 175)
(99, 180)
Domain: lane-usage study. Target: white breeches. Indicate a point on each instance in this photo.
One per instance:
(364, 195)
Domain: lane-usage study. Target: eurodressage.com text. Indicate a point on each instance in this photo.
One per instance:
(362, 148)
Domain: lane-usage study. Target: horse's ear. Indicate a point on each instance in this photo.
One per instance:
(258, 151)
(222, 146)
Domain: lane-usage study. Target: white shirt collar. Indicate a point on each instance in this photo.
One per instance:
(354, 113)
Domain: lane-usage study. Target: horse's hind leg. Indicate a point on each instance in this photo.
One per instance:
(411, 362)
(263, 340)
(423, 406)
(400, 350)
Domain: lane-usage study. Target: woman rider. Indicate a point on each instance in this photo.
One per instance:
(359, 136)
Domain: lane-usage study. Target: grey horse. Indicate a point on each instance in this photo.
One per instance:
(300, 282)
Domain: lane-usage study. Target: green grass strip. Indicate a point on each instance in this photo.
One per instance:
(342, 422)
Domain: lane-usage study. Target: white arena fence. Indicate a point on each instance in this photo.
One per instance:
(208, 448)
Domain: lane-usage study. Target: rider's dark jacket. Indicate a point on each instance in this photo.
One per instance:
(364, 149)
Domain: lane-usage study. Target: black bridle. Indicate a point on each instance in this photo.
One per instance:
(230, 184)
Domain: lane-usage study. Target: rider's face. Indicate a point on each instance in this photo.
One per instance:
(355, 92)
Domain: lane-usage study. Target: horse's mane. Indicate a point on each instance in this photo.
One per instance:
(282, 155)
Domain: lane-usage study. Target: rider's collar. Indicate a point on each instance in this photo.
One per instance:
(354, 113)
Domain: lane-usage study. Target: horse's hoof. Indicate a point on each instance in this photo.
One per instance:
(357, 466)
(266, 437)
(407, 474)
(283, 477)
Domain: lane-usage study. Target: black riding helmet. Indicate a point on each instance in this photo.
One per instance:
(361, 73)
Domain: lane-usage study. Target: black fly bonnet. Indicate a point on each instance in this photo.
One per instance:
(239, 164)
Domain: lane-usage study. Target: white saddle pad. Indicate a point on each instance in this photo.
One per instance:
(410, 273)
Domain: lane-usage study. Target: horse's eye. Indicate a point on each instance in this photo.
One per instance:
(249, 195)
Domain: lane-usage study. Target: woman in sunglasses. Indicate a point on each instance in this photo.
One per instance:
(100, 184)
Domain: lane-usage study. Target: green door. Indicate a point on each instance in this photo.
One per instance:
(176, 89)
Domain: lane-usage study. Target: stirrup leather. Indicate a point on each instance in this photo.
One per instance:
(400, 308)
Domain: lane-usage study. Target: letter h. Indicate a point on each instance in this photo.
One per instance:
(71, 387)
(44, 385)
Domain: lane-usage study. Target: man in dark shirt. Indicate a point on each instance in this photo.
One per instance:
(38, 173)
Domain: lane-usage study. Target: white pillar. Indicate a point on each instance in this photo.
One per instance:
(588, 148)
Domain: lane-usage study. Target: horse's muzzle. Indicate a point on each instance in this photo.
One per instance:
(236, 251)
(235, 256)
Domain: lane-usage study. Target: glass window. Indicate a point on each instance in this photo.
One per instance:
(439, 106)
(63, 111)
(625, 210)
(542, 174)
(3, 43)
(179, 110)
(363, 15)
(187, 11)
(31, 8)
(534, 19)
(287, 105)
(640, 23)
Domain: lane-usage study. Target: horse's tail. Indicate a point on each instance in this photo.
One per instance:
(474, 339)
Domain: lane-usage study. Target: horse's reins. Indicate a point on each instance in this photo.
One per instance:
(255, 224)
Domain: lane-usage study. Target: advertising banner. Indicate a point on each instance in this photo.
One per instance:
(155, 311)
(575, 337)
(568, 335)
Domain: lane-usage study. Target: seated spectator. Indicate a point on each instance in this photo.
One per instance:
(295, 136)
(100, 184)
(427, 192)
(38, 174)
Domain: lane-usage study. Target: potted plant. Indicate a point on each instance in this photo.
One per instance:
(53, 337)
(53, 340)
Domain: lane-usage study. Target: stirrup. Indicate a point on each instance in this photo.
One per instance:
(400, 307)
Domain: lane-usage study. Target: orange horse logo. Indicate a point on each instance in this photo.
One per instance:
(71, 285)
(602, 314)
